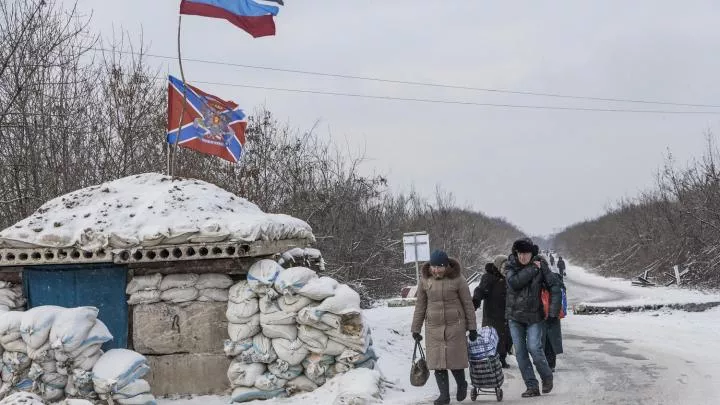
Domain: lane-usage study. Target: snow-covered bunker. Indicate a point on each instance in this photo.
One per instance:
(194, 238)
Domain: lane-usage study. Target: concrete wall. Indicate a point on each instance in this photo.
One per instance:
(197, 374)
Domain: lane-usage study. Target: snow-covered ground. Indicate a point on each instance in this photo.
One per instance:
(661, 357)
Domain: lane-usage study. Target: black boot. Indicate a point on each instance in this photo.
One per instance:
(462, 385)
(531, 392)
(443, 382)
(547, 386)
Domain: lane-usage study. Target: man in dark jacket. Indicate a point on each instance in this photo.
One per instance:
(492, 290)
(552, 260)
(527, 275)
(553, 333)
(561, 266)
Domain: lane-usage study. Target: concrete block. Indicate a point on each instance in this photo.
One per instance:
(198, 374)
(196, 327)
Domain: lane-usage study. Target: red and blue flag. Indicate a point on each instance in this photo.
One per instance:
(250, 15)
(209, 124)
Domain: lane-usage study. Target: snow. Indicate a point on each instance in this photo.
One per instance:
(149, 209)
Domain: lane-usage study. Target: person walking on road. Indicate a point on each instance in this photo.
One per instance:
(561, 266)
(492, 290)
(552, 260)
(445, 306)
(527, 275)
(553, 333)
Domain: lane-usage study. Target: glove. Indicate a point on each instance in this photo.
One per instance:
(473, 335)
(417, 336)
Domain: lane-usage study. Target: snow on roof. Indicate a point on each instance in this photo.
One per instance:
(148, 210)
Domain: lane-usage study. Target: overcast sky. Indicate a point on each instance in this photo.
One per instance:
(540, 169)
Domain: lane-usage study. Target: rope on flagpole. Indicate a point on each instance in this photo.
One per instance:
(171, 169)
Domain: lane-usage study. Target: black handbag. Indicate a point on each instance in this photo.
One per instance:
(419, 372)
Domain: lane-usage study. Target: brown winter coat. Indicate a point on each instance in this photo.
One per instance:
(446, 307)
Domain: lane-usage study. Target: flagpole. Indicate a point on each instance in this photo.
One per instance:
(182, 111)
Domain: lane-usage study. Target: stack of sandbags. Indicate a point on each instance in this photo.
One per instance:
(291, 331)
(178, 288)
(11, 297)
(117, 377)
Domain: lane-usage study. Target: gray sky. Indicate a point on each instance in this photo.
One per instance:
(540, 169)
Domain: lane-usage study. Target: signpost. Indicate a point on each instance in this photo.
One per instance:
(417, 248)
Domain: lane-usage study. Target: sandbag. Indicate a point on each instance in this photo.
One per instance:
(359, 344)
(316, 365)
(117, 368)
(292, 352)
(261, 351)
(300, 384)
(243, 394)
(241, 292)
(8, 297)
(240, 331)
(98, 335)
(319, 288)
(232, 348)
(36, 324)
(15, 361)
(17, 345)
(145, 297)
(142, 399)
(178, 295)
(278, 318)
(214, 280)
(143, 283)
(239, 312)
(333, 348)
(293, 303)
(213, 295)
(87, 362)
(292, 280)
(312, 337)
(137, 387)
(307, 316)
(268, 304)
(289, 332)
(10, 326)
(243, 374)
(369, 364)
(345, 301)
(354, 357)
(22, 398)
(331, 320)
(269, 382)
(262, 274)
(172, 281)
(71, 327)
(283, 370)
(41, 353)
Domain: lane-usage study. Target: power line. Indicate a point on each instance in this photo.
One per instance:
(416, 83)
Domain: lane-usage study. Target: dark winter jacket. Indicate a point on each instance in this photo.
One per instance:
(523, 291)
(552, 325)
(493, 290)
(561, 265)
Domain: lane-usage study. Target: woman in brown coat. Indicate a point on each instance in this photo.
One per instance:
(445, 306)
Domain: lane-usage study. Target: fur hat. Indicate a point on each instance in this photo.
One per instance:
(524, 245)
(499, 262)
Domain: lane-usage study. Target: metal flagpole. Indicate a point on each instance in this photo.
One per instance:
(182, 111)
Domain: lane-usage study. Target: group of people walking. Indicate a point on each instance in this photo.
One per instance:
(510, 294)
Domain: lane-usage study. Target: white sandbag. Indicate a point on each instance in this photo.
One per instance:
(214, 280)
(213, 295)
(319, 288)
(331, 320)
(354, 357)
(317, 380)
(178, 295)
(300, 384)
(278, 318)
(36, 324)
(17, 345)
(342, 368)
(244, 374)
(10, 326)
(142, 399)
(243, 394)
(98, 335)
(289, 332)
(269, 382)
(117, 368)
(312, 337)
(145, 297)
(292, 352)
(241, 292)
(143, 283)
(263, 273)
(41, 353)
(233, 349)
(80, 385)
(238, 312)
(16, 361)
(171, 281)
(333, 348)
(137, 387)
(293, 303)
(22, 398)
(241, 331)
(4, 308)
(88, 362)
(357, 343)
(72, 401)
(47, 366)
(261, 351)
(283, 370)
(8, 297)
(307, 316)
(268, 304)
(71, 327)
(345, 301)
(292, 280)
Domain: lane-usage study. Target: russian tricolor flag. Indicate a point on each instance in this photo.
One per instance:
(253, 17)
